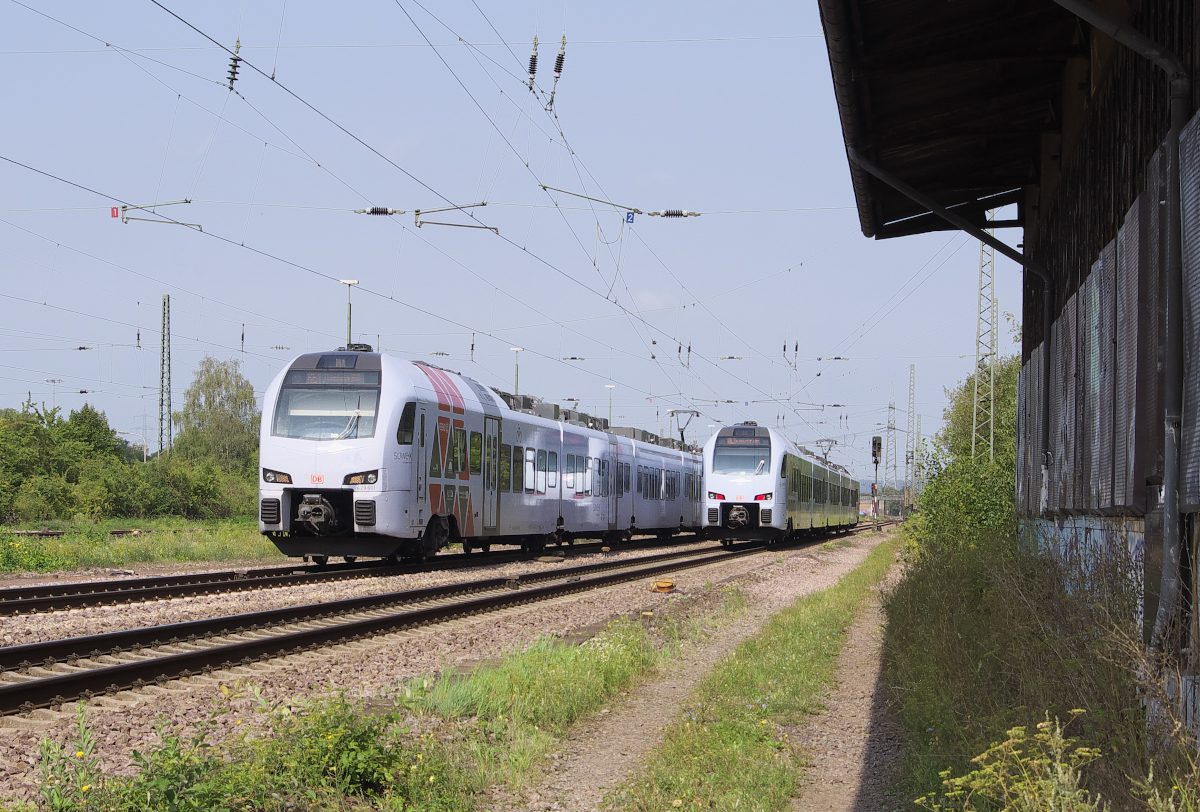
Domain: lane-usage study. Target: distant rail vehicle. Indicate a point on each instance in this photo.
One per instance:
(763, 486)
(363, 454)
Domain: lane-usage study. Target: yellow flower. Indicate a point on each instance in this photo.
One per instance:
(86, 787)
(79, 754)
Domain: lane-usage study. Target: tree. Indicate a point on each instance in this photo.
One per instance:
(220, 417)
(972, 495)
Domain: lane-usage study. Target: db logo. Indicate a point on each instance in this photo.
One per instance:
(317, 479)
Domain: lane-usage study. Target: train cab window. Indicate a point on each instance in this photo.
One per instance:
(569, 473)
(518, 467)
(552, 470)
(476, 453)
(531, 471)
(541, 472)
(505, 467)
(404, 432)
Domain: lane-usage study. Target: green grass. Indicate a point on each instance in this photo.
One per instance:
(165, 541)
(731, 748)
(513, 713)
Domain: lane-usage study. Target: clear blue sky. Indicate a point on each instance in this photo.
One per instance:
(723, 109)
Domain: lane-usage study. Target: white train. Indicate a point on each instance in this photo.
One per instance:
(762, 486)
(363, 454)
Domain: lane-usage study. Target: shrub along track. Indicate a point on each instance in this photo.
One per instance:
(52, 673)
(57, 597)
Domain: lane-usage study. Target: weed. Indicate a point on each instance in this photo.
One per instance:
(984, 636)
(69, 773)
(1023, 774)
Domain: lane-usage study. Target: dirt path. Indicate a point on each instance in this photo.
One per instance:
(603, 751)
(854, 746)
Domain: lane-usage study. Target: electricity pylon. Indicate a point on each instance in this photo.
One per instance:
(164, 379)
(890, 474)
(983, 424)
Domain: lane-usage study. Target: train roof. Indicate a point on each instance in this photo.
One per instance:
(363, 357)
(777, 436)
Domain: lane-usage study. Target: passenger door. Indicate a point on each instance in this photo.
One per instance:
(610, 485)
(422, 454)
(491, 468)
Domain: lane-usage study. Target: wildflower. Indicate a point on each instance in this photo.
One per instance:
(79, 754)
(86, 787)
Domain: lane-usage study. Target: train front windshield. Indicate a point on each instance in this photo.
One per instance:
(327, 405)
(742, 456)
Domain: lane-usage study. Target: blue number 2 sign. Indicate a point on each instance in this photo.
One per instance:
(629, 217)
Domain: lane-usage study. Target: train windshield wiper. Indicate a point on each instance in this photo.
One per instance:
(351, 429)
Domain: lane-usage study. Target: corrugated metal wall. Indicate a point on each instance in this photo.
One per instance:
(1107, 367)
(1069, 453)
(1088, 483)
(1131, 248)
(1151, 333)
(1023, 439)
(1189, 162)
(1057, 400)
(1036, 360)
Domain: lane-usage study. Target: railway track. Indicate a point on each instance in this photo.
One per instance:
(57, 597)
(55, 672)
(52, 673)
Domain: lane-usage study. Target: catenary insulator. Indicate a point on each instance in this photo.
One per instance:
(674, 213)
(533, 62)
(233, 63)
(562, 54)
(379, 210)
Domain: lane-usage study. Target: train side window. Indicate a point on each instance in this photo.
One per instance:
(518, 468)
(639, 480)
(422, 431)
(587, 482)
(552, 470)
(541, 472)
(607, 477)
(458, 452)
(404, 432)
(580, 468)
(505, 467)
(569, 473)
(476, 453)
(627, 467)
(531, 470)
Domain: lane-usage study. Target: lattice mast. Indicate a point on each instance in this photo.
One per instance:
(164, 379)
(890, 473)
(911, 436)
(983, 423)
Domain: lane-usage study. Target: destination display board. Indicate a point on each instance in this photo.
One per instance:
(331, 377)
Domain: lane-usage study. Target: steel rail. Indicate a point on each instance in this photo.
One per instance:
(56, 597)
(50, 690)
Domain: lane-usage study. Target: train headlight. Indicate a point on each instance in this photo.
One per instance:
(362, 478)
(764, 497)
(276, 477)
(720, 497)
